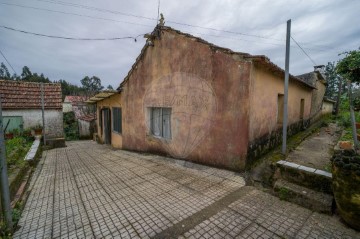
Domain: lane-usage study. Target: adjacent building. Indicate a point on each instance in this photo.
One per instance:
(318, 81)
(190, 99)
(84, 114)
(22, 105)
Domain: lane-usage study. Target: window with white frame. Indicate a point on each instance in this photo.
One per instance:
(160, 122)
(117, 126)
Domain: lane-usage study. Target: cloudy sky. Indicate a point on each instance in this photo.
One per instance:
(324, 28)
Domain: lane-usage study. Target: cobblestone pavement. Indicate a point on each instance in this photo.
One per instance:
(91, 191)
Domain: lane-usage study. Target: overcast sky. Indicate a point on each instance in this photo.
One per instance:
(324, 28)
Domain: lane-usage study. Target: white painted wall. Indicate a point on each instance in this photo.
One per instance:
(53, 120)
(327, 107)
(67, 107)
(84, 128)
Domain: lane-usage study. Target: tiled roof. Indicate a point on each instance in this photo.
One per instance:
(75, 99)
(27, 95)
(311, 78)
(87, 117)
(258, 59)
(308, 78)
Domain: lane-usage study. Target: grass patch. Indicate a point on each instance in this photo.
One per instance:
(283, 193)
(16, 150)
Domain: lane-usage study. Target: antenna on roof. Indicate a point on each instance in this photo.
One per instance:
(157, 20)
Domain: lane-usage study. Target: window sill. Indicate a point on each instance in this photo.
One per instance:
(114, 132)
(153, 137)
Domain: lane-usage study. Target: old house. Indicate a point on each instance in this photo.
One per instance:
(318, 81)
(84, 114)
(21, 102)
(328, 106)
(193, 100)
(109, 117)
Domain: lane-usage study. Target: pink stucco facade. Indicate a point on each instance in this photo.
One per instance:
(212, 103)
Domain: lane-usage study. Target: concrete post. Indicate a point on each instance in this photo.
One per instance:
(286, 87)
(352, 116)
(4, 181)
(43, 111)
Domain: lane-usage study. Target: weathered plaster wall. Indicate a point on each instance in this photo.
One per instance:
(67, 107)
(317, 99)
(113, 101)
(265, 88)
(265, 131)
(84, 128)
(53, 120)
(208, 92)
(327, 107)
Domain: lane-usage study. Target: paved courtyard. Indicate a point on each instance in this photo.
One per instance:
(91, 191)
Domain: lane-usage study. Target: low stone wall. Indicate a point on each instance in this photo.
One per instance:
(264, 144)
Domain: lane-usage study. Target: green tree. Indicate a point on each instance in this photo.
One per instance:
(70, 89)
(4, 72)
(28, 76)
(91, 85)
(109, 87)
(26, 73)
(349, 68)
(332, 80)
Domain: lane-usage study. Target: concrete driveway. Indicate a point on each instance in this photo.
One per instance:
(91, 191)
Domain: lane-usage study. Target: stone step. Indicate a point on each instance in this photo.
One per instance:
(311, 178)
(305, 197)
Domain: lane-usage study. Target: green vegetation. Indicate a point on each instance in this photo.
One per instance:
(16, 150)
(71, 127)
(283, 193)
(343, 118)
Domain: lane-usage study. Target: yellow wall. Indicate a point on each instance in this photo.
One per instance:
(264, 90)
(113, 101)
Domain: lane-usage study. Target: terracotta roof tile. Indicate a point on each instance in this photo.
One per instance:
(27, 95)
(76, 99)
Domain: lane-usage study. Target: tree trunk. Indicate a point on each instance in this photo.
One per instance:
(338, 97)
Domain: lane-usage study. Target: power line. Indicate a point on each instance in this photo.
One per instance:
(132, 15)
(7, 61)
(71, 38)
(94, 8)
(304, 51)
(74, 14)
(247, 40)
(149, 18)
(63, 3)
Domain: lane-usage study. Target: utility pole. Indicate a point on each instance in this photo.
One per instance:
(286, 87)
(5, 192)
(43, 111)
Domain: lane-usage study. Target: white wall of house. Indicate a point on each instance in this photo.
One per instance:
(84, 128)
(53, 120)
(67, 107)
(327, 107)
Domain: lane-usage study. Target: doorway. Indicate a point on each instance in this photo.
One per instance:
(107, 126)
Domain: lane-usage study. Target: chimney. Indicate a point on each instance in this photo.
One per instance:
(320, 68)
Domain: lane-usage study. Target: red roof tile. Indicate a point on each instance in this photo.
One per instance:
(27, 95)
(76, 99)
